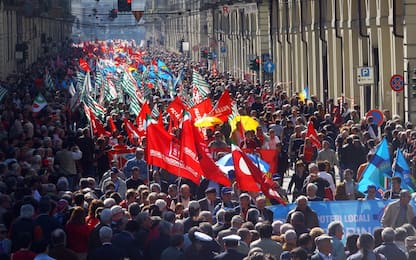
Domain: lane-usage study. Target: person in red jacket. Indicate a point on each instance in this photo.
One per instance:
(78, 231)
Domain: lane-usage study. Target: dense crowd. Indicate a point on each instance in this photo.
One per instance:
(61, 197)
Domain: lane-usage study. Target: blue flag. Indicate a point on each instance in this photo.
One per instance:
(378, 168)
(402, 169)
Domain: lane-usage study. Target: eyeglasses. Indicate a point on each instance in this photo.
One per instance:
(3, 232)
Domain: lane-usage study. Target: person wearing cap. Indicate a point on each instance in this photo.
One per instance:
(324, 248)
(139, 162)
(230, 244)
(265, 213)
(398, 212)
(210, 201)
(218, 141)
(226, 202)
(244, 205)
(201, 245)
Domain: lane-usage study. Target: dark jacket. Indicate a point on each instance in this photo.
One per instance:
(106, 252)
(203, 204)
(311, 219)
(230, 254)
(390, 250)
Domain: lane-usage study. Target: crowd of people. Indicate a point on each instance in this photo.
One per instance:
(62, 197)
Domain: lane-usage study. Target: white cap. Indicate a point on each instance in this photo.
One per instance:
(232, 238)
(202, 237)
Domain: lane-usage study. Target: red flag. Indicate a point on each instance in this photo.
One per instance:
(223, 108)
(201, 109)
(270, 156)
(209, 169)
(313, 136)
(121, 155)
(112, 125)
(132, 131)
(175, 110)
(163, 150)
(97, 127)
(141, 117)
(84, 65)
(250, 178)
(160, 120)
(188, 152)
(243, 173)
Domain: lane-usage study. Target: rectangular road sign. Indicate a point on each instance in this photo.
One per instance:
(365, 76)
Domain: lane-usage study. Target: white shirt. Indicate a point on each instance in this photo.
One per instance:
(271, 142)
(328, 177)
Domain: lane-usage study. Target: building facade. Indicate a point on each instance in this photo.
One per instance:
(29, 30)
(322, 44)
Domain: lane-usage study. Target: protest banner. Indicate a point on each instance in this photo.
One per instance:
(357, 216)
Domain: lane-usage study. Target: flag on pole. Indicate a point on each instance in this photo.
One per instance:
(313, 135)
(210, 170)
(201, 87)
(164, 150)
(402, 169)
(223, 108)
(3, 92)
(250, 177)
(378, 168)
(39, 103)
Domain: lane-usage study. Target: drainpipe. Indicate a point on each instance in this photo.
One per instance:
(338, 36)
(278, 38)
(395, 23)
(290, 46)
(325, 47)
(305, 43)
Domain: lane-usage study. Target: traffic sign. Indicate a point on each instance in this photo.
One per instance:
(365, 76)
(377, 115)
(397, 82)
(269, 67)
(223, 49)
(195, 48)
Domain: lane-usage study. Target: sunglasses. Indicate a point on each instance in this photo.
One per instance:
(3, 232)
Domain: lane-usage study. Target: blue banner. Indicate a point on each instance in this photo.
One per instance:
(356, 216)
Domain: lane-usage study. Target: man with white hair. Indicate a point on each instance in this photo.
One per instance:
(105, 221)
(107, 250)
(24, 224)
(388, 248)
(336, 231)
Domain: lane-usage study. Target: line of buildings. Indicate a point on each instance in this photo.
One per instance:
(30, 29)
(346, 49)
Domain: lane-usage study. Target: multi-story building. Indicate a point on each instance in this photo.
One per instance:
(347, 49)
(29, 30)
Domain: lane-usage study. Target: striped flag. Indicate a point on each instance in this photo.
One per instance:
(48, 81)
(129, 86)
(155, 111)
(3, 92)
(80, 78)
(202, 87)
(96, 108)
(110, 92)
